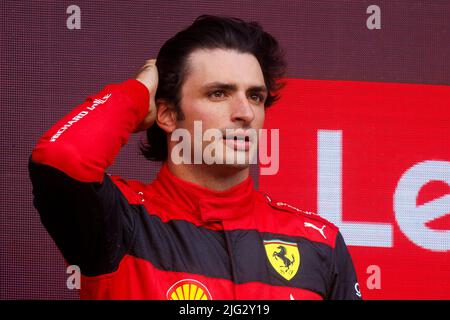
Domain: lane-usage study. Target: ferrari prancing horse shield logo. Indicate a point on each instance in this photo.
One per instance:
(283, 256)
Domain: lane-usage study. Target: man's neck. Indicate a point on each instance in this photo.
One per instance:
(213, 177)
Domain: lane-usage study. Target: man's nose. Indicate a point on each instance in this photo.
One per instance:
(242, 110)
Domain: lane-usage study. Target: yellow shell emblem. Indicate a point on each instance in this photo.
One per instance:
(188, 289)
(283, 256)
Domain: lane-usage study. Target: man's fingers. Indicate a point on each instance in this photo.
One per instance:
(148, 75)
(147, 65)
(150, 63)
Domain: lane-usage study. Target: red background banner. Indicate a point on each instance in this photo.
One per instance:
(344, 146)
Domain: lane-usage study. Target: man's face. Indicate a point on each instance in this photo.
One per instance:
(225, 90)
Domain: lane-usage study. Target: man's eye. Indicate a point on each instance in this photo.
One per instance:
(257, 97)
(217, 94)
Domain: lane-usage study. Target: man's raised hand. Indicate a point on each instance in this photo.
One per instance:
(148, 75)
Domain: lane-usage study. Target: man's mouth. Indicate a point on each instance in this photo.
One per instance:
(238, 141)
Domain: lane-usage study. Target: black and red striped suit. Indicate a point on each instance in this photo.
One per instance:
(171, 239)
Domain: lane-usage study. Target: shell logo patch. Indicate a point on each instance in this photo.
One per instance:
(283, 256)
(188, 289)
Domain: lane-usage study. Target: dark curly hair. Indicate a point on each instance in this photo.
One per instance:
(210, 32)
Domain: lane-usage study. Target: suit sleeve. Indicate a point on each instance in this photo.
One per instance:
(84, 212)
(344, 282)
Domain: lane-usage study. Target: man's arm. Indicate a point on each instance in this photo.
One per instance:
(85, 142)
(343, 276)
(83, 210)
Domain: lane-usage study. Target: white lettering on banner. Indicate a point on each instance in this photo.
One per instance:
(329, 195)
(411, 218)
(78, 117)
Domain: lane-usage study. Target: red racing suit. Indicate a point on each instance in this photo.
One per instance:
(172, 239)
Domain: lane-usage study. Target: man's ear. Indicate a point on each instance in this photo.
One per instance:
(166, 116)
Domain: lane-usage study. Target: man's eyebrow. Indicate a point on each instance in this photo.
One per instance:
(258, 89)
(221, 85)
(233, 87)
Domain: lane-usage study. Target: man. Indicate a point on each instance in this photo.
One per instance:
(200, 230)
